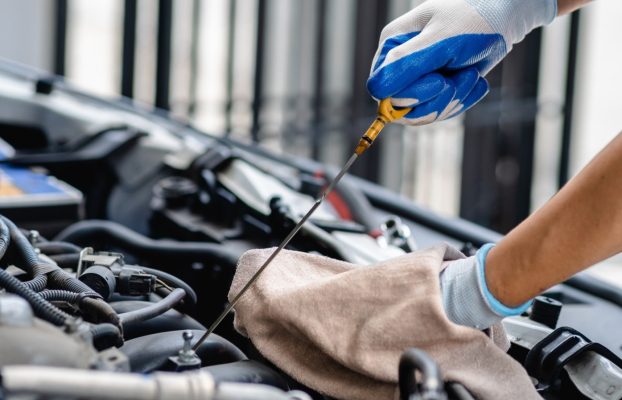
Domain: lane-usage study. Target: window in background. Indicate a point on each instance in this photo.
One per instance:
(598, 104)
(27, 32)
(551, 99)
(94, 36)
(145, 68)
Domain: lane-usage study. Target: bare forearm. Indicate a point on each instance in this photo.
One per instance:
(578, 227)
(568, 6)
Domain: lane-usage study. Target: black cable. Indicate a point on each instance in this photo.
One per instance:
(38, 283)
(106, 336)
(173, 281)
(55, 248)
(156, 251)
(60, 295)
(27, 256)
(596, 287)
(431, 379)
(41, 307)
(153, 310)
(66, 260)
(96, 309)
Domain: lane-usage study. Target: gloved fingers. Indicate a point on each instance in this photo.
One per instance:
(479, 50)
(429, 112)
(479, 91)
(464, 81)
(400, 66)
(389, 44)
(406, 58)
(421, 91)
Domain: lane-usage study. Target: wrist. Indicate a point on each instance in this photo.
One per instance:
(494, 303)
(466, 297)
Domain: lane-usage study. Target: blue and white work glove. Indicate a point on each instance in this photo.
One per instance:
(466, 298)
(434, 57)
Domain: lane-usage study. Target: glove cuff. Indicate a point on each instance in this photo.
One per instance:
(495, 305)
(466, 298)
(516, 18)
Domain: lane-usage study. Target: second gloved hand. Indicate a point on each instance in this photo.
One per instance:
(434, 57)
(466, 298)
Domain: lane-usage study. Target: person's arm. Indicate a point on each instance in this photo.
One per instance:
(580, 226)
(577, 228)
(568, 6)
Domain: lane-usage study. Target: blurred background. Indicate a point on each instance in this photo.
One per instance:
(290, 75)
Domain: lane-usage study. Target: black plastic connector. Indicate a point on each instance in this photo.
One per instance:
(133, 281)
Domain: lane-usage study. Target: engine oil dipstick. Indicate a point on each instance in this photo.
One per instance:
(386, 114)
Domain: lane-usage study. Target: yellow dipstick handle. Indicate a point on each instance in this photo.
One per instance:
(386, 114)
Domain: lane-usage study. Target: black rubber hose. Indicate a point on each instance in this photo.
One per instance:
(66, 260)
(153, 310)
(106, 336)
(96, 308)
(596, 287)
(414, 360)
(60, 295)
(38, 283)
(28, 257)
(361, 209)
(113, 234)
(5, 237)
(101, 311)
(41, 307)
(59, 279)
(56, 248)
(173, 281)
(172, 320)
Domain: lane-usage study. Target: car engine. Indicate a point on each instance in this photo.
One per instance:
(119, 237)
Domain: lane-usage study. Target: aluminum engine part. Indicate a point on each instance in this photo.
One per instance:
(25, 339)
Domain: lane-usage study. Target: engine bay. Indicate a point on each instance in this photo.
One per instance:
(119, 237)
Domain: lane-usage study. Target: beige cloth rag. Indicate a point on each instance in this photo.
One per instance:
(341, 328)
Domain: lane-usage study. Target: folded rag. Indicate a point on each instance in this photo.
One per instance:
(340, 328)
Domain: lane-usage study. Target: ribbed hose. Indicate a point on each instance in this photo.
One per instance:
(37, 283)
(153, 310)
(60, 295)
(41, 307)
(157, 251)
(4, 238)
(29, 260)
(98, 309)
(172, 280)
(63, 280)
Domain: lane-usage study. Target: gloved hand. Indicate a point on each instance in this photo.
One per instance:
(435, 57)
(466, 298)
